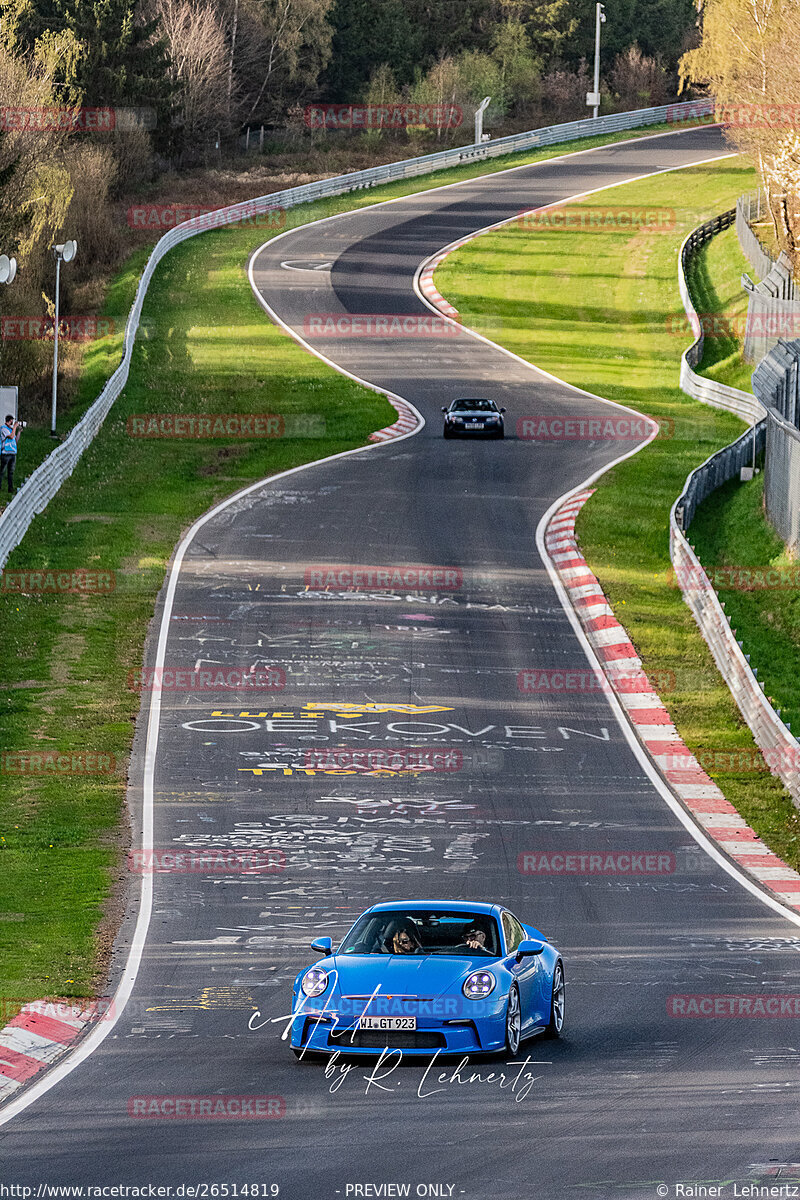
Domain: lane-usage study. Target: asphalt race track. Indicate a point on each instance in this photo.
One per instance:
(631, 1096)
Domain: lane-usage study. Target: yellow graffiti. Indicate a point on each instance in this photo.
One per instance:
(361, 709)
(285, 769)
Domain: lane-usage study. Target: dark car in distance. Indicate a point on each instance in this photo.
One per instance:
(475, 417)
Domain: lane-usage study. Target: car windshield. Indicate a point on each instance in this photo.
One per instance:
(428, 931)
(473, 406)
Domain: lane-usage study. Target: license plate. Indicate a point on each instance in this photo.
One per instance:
(387, 1023)
(474, 425)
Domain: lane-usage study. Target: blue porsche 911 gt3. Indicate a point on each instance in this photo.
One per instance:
(428, 975)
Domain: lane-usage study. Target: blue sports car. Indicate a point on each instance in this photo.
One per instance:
(428, 975)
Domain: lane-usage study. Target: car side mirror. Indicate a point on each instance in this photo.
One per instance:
(444, 408)
(502, 410)
(528, 948)
(323, 944)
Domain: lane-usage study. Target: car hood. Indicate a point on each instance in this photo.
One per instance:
(402, 975)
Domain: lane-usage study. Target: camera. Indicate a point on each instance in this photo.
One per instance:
(22, 424)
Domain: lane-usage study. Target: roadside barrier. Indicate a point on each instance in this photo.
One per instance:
(781, 749)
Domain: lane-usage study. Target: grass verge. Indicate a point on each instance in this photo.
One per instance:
(601, 310)
(714, 277)
(67, 657)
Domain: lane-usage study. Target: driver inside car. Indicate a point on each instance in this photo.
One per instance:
(475, 939)
(404, 939)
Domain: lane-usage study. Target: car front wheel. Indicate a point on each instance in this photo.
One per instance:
(513, 1022)
(556, 1023)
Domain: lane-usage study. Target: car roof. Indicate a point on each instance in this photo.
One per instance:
(472, 399)
(475, 906)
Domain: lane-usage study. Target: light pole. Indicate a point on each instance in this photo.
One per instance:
(8, 269)
(593, 97)
(479, 111)
(65, 252)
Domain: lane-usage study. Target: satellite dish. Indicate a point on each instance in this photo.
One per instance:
(66, 251)
(8, 269)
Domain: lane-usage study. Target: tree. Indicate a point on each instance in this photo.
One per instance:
(198, 66)
(100, 52)
(749, 58)
(658, 27)
(518, 68)
(295, 41)
(367, 32)
(637, 79)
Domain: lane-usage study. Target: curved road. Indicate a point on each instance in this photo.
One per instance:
(630, 1097)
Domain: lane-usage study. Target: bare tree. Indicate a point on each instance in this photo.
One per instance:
(199, 65)
(638, 79)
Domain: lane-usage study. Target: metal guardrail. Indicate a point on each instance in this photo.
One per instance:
(748, 208)
(773, 306)
(781, 750)
(708, 391)
(46, 480)
(776, 382)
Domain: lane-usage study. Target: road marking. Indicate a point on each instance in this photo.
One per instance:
(305, 264)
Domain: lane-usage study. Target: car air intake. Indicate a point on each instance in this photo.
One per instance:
(378, 1039)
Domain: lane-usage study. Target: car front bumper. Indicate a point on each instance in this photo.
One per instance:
(486, 431)
(326, 1033)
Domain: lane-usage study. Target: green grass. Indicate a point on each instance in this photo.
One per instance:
(208, 348)
(714, 277)
(601, 311)
(730, 529)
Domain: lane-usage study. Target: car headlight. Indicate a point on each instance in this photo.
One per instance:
(479, 984)
(314, 982)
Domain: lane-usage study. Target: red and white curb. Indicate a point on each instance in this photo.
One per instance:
(427, 286)
(408, 420)
(36, 1038)
(623, 668)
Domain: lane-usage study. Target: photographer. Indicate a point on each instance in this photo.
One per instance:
(9, 436)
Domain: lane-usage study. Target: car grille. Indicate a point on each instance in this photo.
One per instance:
(378, 1039)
